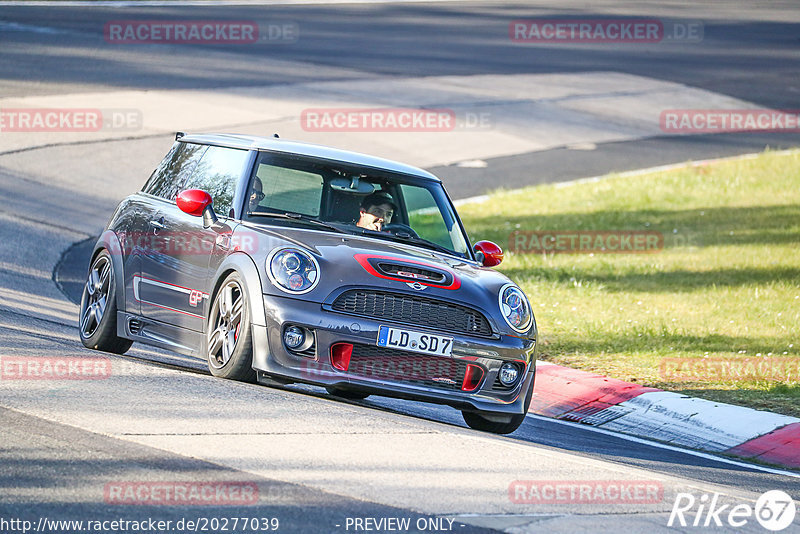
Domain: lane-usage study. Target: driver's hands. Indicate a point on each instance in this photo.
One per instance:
(370, 222)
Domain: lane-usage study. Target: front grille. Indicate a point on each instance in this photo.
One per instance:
(413, 310)
(379, 363)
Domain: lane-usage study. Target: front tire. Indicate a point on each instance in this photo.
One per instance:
(229, 342)
(476, 421)
(498, 423)
(97, 324)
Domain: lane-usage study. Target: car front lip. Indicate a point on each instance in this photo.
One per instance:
(273, 359)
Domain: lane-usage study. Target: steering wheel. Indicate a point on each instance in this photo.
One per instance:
(399, 228)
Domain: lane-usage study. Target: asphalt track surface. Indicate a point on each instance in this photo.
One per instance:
(316, 460)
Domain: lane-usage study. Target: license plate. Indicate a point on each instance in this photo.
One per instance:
(398, 338)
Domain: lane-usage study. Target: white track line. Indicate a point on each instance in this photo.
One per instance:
(664, 446)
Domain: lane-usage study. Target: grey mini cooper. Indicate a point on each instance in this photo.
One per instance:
(283, 262)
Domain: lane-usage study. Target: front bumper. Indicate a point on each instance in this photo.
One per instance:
(407, 375)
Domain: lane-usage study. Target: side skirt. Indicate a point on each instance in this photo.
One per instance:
(158, 334)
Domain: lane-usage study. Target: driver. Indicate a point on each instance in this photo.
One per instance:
(256, 195)
(376, 211)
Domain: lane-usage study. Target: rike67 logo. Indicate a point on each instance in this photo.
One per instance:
(774, 510)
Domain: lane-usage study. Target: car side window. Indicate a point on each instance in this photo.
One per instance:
(217, 173)
(177, 165)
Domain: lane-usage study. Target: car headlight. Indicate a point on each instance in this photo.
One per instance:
(515, 308)
(293, 270)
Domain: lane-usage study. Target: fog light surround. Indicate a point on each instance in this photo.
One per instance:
(297, 339)
(508, 374)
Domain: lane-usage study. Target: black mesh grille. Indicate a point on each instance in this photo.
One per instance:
(379, 363)
(413, 310)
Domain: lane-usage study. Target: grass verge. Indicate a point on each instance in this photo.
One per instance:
(713, 312)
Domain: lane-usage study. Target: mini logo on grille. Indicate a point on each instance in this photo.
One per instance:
(443, 380)
(416, 285)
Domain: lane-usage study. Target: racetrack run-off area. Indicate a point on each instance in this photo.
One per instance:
(525, 113)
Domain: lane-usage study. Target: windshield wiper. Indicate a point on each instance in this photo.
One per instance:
(403, 237)
(298, 217)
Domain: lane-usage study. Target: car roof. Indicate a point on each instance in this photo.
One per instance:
(274, 144)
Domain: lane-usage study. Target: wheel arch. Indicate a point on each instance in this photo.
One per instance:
(246, 268)
(109, 241)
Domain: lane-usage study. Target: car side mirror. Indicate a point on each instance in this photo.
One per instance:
(489, 254)
(197, 202)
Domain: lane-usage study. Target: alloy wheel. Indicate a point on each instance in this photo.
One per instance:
(227, 322)
(97, 288)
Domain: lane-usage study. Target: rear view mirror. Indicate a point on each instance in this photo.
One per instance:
(352, 184)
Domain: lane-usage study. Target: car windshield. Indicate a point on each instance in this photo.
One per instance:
(296, 191)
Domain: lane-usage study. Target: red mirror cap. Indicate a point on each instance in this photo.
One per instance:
(492, 254)
(193, 201)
